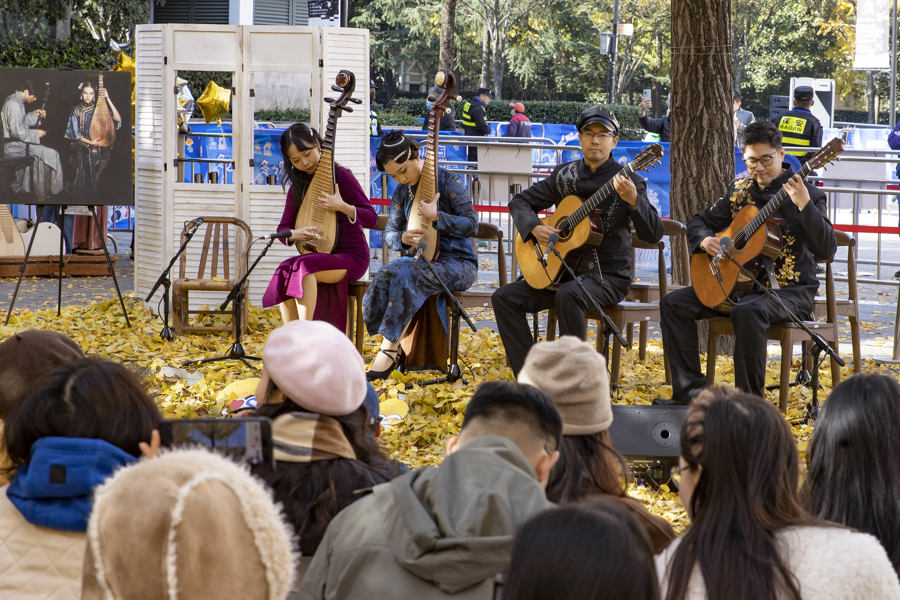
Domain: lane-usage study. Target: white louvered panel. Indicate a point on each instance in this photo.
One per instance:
(150, 180)
(266, 208)
(349, 49)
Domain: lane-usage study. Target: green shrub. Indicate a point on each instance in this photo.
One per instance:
(78, 52)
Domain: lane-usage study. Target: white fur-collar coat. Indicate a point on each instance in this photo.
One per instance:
(828, 562)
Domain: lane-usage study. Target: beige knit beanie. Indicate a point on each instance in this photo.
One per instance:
(188, 524)
(574, 375)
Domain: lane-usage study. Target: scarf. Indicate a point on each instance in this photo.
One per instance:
(309, 437)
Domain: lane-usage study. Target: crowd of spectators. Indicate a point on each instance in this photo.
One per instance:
(529, 503)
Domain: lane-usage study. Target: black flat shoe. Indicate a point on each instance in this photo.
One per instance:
(396, 357)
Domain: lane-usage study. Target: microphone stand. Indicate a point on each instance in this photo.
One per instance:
(609, 325)
(454, 373)
(812, 408)
(163, 280)
(236, 351)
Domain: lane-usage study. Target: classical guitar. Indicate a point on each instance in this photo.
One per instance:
(754, 235)
(103, 127)
(541, 270)
(427, 186)
(310, 213)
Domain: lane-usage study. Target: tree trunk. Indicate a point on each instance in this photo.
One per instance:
(485, 57)
(498, 47)
(702, 151)
(448, 30)
(870, 97)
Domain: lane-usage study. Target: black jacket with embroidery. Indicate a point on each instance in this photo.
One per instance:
(806, 235)
(614, 252)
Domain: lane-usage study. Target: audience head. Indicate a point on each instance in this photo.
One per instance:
(574, 375)
(851, 480)
(87, 398)
(188, 524)
(315, 366)
(739, 469)
(736, 100)
(520, 413)
(517, 107)
(25, 357)
(581, 552)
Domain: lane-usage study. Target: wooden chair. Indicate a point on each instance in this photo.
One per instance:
(12, 168)
(355, 292)
(222, 262)
(640, 310)
(844, 306)
(787, 334)
(469, 298)
(645, 291)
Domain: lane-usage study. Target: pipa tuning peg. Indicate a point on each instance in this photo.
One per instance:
(356, 100)
(330, 100)
(346, 109)
(336, 88)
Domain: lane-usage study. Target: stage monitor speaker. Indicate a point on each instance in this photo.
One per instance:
(649, 438)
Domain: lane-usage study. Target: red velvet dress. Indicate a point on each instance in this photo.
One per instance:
(351, 252)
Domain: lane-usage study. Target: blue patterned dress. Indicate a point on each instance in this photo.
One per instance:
(401, 287)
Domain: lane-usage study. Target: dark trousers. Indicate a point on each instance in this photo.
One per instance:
(680, 310)
(513, 301)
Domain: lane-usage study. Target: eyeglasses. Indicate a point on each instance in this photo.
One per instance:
(764, 160)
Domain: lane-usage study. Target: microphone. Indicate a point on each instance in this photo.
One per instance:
(421, 247)
(724, 245)
(281, 235)
(551, 241)
(195, 225)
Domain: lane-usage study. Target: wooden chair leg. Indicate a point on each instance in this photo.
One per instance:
(642, 341)
(835, 367)
(854, 337)
(551, 325)
(712, 342)
(629, 333)
(784, 378)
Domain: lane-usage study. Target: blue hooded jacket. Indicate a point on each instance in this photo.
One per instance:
(55, 487)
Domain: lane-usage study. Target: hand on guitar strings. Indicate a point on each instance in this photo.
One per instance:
(626, 189)
(711, 245)
(428, 210)
(796, 189)
(541, 233)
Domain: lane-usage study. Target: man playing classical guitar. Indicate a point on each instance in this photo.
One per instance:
(806, 236)
(604, 267)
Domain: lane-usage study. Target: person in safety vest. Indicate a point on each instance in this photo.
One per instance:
(799, 127)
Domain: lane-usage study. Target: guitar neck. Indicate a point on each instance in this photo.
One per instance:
(591, 204)
(766, 211)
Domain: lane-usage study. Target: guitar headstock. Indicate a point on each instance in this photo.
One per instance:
(827, 154)
(648, 157)
(345, 83)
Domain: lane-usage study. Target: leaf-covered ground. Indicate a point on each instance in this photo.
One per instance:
(435, 411)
